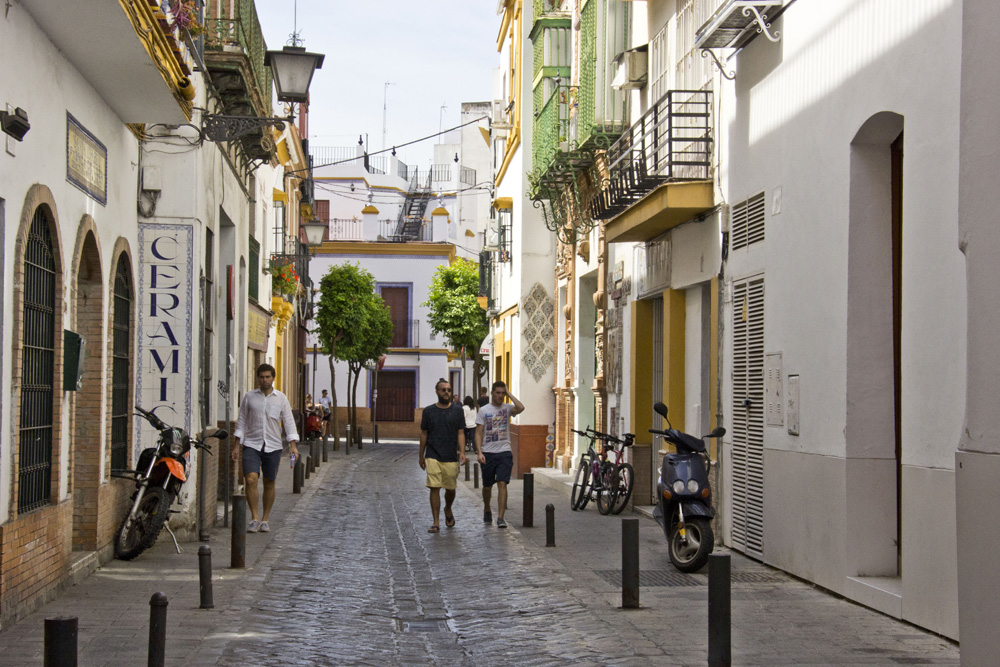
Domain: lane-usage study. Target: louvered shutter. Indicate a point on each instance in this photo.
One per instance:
(748, 417)
(747, 222)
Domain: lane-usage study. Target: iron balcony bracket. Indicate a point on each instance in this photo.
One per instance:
(762, 25)
(216, 127)
(718, 64)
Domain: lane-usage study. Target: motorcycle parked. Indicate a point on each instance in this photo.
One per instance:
(684, 510)
(159, 474)
(314, 422)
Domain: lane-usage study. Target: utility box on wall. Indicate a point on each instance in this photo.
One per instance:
(74, 351)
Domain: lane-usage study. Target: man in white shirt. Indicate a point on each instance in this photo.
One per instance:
(258, 428)
(327, 404)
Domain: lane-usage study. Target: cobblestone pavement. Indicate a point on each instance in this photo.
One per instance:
(358, 580)
(349, 575)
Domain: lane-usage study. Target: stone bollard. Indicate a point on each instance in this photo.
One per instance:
(238, 543)
(528, 508)
(550, 525)
(719, 611)
(157, 630)
(205, 576)
(630, 563)
(298, 475)
(60, 641)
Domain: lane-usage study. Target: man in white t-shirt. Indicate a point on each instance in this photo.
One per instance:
(327, 404)
(493, 448)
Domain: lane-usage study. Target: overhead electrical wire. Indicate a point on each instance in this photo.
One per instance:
(386, 150)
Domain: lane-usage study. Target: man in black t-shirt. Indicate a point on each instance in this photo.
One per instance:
(442, 451)
(484, 398)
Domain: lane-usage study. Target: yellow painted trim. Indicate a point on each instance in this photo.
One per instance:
(440, 210)
(512, 145)
(483, 301)
(662, 209)
(284, 157)
(641, 370)
(510, 312)
(369, 209)
(143, 18)
(278, 195)
(674, 316)
(508, 13)
(379, 248)
(470, 233)
(713, 364)
(418, 350)
(503, 203)
(368, 185)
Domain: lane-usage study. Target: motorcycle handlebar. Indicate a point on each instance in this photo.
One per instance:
(155, 421)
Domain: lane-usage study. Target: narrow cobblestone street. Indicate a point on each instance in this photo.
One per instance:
(349, 575)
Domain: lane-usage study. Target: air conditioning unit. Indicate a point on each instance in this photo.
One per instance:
(631, 68)
(498, 123)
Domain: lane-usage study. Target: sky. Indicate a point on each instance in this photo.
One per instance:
(436, 53)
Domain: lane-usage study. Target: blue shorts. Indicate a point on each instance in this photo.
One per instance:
(254, 460)
(497, 468)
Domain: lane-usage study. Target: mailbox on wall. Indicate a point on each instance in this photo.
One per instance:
(74, 346)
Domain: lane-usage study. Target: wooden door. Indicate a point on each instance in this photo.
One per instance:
(396, 396)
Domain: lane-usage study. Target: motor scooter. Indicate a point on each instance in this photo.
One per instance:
(684, 507)
(314, 422)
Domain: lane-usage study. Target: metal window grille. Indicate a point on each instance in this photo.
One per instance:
(38, 369)
(121, 336)
(254, 270)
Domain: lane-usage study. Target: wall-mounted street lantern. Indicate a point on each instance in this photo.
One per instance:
(15, 124)
(293, 69)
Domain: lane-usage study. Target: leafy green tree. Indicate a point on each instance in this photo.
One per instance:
(455, 312)
(363, 347)
(338, 317)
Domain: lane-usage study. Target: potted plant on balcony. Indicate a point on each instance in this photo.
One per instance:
(284, 279)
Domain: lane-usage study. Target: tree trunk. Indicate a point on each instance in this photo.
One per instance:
(333, 411)
(354, 407)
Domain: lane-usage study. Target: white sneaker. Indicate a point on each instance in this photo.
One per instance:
(264, 527)
(253, 526)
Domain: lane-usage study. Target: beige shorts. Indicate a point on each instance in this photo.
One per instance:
(441, 474)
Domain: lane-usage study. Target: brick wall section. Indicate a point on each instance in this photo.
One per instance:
(385, 429)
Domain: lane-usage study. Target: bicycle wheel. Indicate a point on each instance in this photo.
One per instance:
(623, 480)
(607, 493)
(581, 485)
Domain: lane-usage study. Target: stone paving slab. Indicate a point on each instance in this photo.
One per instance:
(351, 576)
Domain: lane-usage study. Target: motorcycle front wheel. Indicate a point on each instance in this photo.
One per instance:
(140, 533)
(691, 554)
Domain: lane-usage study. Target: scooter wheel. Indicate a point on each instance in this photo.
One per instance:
(690, 553)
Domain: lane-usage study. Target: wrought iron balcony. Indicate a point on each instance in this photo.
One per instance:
(405, 333)
(671, 142)
(234, 56)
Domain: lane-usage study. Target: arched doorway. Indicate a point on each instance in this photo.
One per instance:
(874, 368)
(87, 428)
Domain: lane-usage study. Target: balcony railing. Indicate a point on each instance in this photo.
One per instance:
(467, 176)
(235, 24)
(671, 142)
(551, 130)
(405, 333)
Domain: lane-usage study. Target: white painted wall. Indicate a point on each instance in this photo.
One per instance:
(798, 106)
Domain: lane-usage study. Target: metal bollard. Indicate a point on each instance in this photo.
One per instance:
(719, 611)
(361, 438)
(375, 434)
(475, 468)
(630, 563)
(60, 641)
(466, 469)
(528, 513)
(297, 476)
(157, 630)
(205, 576)
(309, 466)
(550, 525)
(324, 449)
(314, 453)
(238, 543)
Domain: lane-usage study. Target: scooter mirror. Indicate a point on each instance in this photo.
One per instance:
(660, 409)
(717, 432)
(221, 434)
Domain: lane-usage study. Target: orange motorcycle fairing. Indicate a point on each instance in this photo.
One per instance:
(175, 468)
